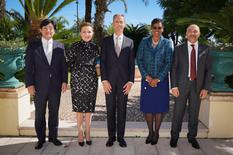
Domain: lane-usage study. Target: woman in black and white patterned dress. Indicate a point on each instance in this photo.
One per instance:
(81, 59)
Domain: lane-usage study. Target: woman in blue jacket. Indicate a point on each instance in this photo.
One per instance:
(154, 58)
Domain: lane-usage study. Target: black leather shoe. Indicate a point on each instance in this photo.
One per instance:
(39, 145)
(55, 141)
(88, 142)
(122, 143)
(81, 144)
(194, 143)
(173, 142)
(110, 142)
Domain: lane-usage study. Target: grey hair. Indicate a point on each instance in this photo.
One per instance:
(114, 16)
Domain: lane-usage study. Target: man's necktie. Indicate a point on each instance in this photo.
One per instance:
(117, 47)
(48, 52)
(193, 64)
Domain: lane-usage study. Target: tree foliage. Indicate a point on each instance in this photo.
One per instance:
(12, 26)
(101, 9)
(37, 10)
(177, 10)
(136, 33)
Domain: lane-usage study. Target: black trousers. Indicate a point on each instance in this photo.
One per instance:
(41, 100)
(116, 103)
(192, 96)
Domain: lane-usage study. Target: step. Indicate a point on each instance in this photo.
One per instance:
(99, 129)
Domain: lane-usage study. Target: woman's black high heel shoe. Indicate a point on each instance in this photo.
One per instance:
(87, 142)
(81, 144)
(155, 139)
(148, 139)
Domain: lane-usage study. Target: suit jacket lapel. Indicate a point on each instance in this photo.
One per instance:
(200, 50)
(123, 45)
(53, 54)
(42, 53)
(113, 46)
(186, 56)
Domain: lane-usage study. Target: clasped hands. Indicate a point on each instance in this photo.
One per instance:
(108, 88)
(152, 82)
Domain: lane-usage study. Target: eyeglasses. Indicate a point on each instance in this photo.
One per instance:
(156, 28)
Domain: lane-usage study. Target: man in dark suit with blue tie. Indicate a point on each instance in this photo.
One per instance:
(117, 75)
(46, 78)
(190, 81)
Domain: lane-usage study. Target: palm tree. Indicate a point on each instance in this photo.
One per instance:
(61, 23)
(101, 9)
(37, 10)
(136, 33)
(2, 9)
(88, 5)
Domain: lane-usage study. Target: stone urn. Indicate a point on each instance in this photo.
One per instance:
(11, 61)
(222, 66)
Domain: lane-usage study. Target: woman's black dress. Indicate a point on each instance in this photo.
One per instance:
(81, 59)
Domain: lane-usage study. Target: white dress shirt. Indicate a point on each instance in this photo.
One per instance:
(189, 52)
(48, 48)
(120, 40)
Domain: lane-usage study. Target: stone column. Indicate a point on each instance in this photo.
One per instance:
(216, 113)
(14, 109)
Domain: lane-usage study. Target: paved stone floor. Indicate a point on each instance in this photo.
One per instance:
(136, 146)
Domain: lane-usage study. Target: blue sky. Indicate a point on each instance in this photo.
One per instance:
(137, 11)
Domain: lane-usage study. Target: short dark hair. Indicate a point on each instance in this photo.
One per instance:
(156, 20)
(83, 24)
(46, 21)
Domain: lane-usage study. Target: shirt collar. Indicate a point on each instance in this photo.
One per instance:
(119, 37)
(45, 41)
(195, 44)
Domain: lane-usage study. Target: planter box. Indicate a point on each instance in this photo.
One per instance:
(14, 109)
(216, 114)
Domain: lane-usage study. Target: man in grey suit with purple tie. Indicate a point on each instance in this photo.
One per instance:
(46, 78)
(190, 81)
(117, 75)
